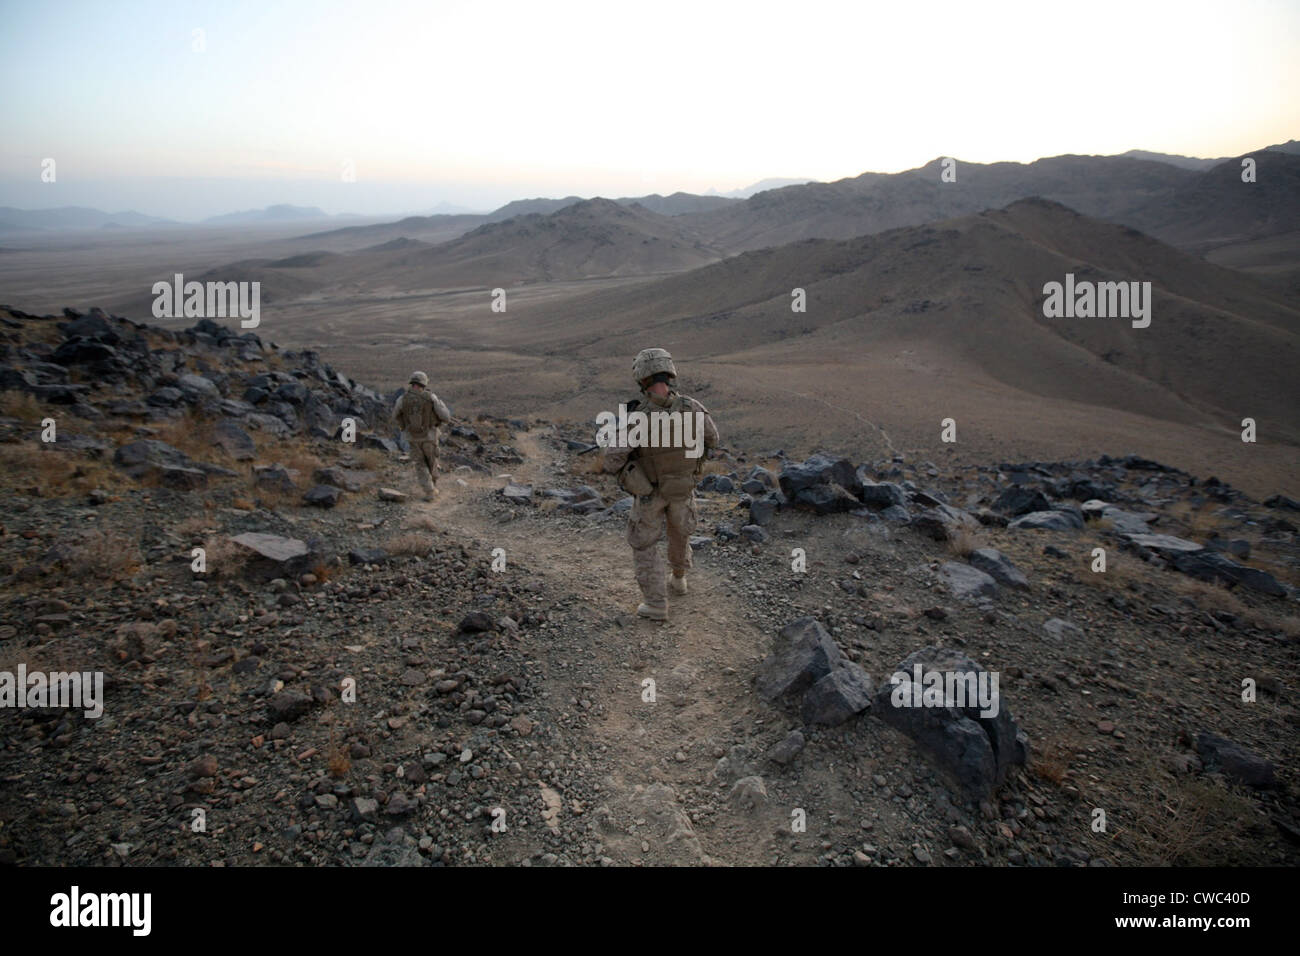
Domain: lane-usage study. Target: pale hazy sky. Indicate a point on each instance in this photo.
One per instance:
(478, 102)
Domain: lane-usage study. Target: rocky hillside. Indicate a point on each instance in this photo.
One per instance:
(305, 666)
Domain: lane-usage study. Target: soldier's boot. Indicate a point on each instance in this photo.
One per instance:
(677, 583)
(426, 482)
(654, 613)
(649, 564)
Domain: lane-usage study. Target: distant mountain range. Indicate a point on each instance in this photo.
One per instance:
(549, 240)
(758, 187)
(1144, 189)
(280, 213)
(71, 217)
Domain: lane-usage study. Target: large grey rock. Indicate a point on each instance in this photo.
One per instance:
(166, 397)
(966, 582)
(198, 387)
(1126, 522)
(322, 496)
(91, 326)
(1166, 545)
(294, 393)
(881, 495)
(517, 494)
(1048, 520)
(232, 439)
(802, 654)
(1209, 565)
(819, 470)
(942, 521)
(897, 514)
(274, 477)
(826, 499)
(87, 352)
(182, 479)
(170, 466)
(146, 453)
(1059, 629)
(399, 852)
(268, 423)
(272, 546)
(836, 697)
(785, 750)
(288, 705)
(975, 749)
(1235, 762)
(15, 379)
(998, 566)
(748, 794)
(1237, 547)
(346, 478)
(1019, 500)
(762, 510)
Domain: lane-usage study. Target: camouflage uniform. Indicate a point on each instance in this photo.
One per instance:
(671, 504)
(419, 412)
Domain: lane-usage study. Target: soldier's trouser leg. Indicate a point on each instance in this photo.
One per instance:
(425, 456)
(683, 516)
(645, 529)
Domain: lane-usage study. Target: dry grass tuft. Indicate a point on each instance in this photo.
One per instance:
(223, 558)
(590, 464)
(408, 544)
(104, 555)
(1186, 820)
(420, 522)
(962, 541)
(324, 572)
(1051, 762)
(22, 406)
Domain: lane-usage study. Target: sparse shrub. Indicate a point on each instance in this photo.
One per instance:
(28, 465)
(408, 544)
(1185, 819)
(22, 406)
(104, 554)
(371, 459)
(1050, 762)
(324, 572)
(224, 558)
(589, 464)
(961, 542)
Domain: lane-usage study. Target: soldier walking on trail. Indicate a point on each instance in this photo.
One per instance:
(419, 412)
(662, 481)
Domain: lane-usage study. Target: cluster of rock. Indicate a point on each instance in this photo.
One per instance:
(976, 751)
(133, 372)
(194, 367)
(1051, 496)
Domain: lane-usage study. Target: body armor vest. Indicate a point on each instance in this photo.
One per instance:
(670, 462)
(417, 415)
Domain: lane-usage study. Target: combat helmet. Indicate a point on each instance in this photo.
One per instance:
(419, 378)
(650, 362)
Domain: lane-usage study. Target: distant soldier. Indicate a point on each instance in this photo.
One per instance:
(419, 412)
(662, 481)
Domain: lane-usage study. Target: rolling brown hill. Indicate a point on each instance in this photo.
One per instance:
(926, 322)
(1104, 186)
(1215, 208)
(590, 238)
